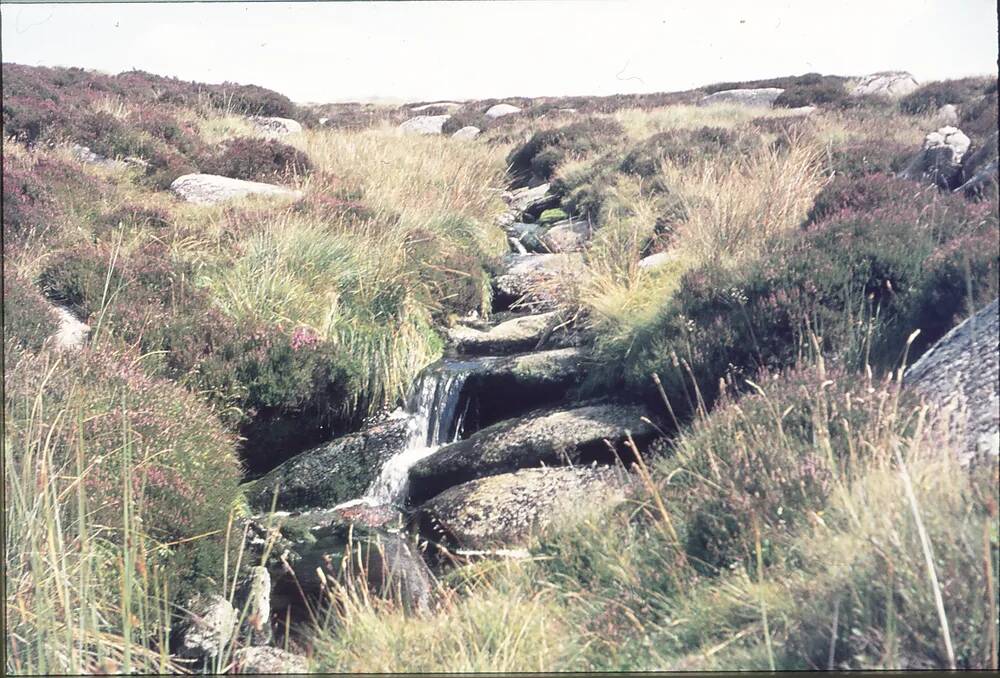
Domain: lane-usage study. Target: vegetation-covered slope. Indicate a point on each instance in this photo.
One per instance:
(792, 267)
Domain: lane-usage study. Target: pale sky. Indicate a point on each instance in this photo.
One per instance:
(325, 51)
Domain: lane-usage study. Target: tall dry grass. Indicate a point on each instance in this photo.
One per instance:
(737, 208)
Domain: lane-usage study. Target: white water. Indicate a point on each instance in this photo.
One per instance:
(435, 412)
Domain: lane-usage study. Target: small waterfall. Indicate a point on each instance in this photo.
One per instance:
(435, 411)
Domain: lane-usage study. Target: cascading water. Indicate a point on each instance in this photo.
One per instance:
(435, 411)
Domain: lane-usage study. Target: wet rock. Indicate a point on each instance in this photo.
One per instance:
(960, 374)
(313, 547)
(209, 627)
(531, 200)
(424, 124)
(536, 281)
(209, 189)
(276, 126)
(503, 510)
(268, 660)
(940, 160)
(505, 387)
(331, 473)
(527, 236)
(550, 437)
(468, 132)
(761, 97)
(523, 333)
(500, 110)
(886, 84)
(567, 236)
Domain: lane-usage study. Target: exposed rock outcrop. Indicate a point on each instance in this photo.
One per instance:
(209, 627)
(979, 170)
(567, 236)
(209, 189)
(468, 132)
(503, 510)
(940, 160)
(276, 126)
(523, 333)
(268, 660)
(500, 110)
(332, 473)
(887, 84)
(551, 437)
(760, 97)
(323, 541)
(961, 375)
(536, 281)
(424, 124)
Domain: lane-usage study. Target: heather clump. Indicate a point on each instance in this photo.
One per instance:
(929, 97)
(538, 158)
(258, 160)
(102, 405)
(683, 147)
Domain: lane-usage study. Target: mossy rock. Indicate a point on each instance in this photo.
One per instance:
(551, 216)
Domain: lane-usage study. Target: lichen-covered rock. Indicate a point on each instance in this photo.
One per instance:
(536, 281)
(209, 627)
(567, 236)
(268, 660)
(886, 84)
(276, 126)
(500, 110)
(330, 474)
(531, 200)
(424, 124)
(209, 189)
(940, 160)
(523, 333)
(961, 375)
(503, 510)
(467, 132)
(759, 97)
(551, 437)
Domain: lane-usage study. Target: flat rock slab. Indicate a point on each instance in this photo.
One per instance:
(760, 97)
(511, 336)
(330, 474)
(210, 189)
(961, 374)
(424, 124)
(549, 438)
(503, 510)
